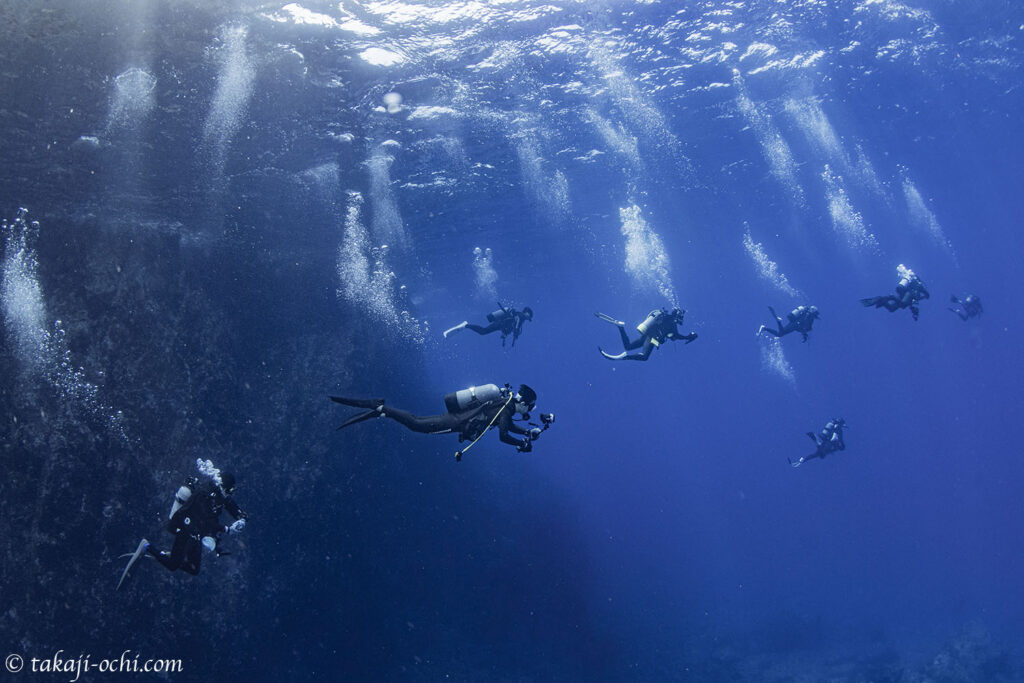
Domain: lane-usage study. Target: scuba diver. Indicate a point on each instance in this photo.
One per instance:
(508, 321)
(659, 326)
(968, 307)
(909, 291)
(801, 319)
(829, 441)
(195, 521)
(471, 413)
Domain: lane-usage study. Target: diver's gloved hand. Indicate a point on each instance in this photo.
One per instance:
(535, 433)
(690, 337)
(526, 447)
(237, 527)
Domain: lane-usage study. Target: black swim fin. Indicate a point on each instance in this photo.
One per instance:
(361, 417)
(358, 402)
(871, 301)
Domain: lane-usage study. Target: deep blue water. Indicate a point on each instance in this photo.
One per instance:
(244, 209)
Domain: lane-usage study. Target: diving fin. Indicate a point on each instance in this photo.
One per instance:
(609, 319)
(796, 463)
(610, 356)
(453, 330)
(368, 415)
(358, 402)
(143, 544)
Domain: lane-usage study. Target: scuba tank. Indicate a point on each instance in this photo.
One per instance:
(648, 324)
(495, 316)
(181, 498)
(472, 397)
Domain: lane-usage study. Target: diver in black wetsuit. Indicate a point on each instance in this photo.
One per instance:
(801, 319)
(829, 441)
(968, 307)
(471, 412)
(659, 326)
(195, 523)
(508, 321)
(909, 291)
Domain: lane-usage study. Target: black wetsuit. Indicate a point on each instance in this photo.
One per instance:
(909, 292)
(968, 307)
(801, 319)
(828, 441)
(508, 321)
(468, 424)
(199, 517)
(665, 327)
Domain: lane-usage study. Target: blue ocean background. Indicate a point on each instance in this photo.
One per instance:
(234, 210)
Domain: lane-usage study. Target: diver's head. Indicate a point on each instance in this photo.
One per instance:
(526, 399)
(527, 312)
(227, 483)
(677, 314)
(813, 311)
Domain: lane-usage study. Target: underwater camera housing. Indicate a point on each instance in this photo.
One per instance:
(547, 418)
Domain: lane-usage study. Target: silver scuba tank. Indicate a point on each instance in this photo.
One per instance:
(180, 498)
(495, 316)
(472, 397)
(646, 325)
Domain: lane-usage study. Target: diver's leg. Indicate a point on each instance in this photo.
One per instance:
(493, 327)
(427, 424)
(636, 343)
(645, 353)
(778, 323)
(626, 344)
(172, 560)
(192, 559)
